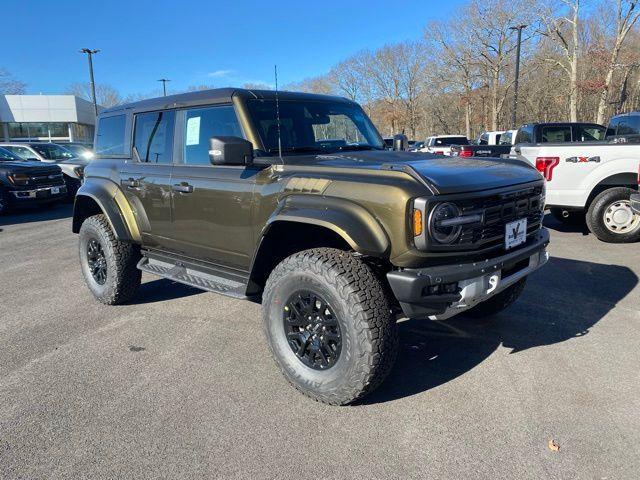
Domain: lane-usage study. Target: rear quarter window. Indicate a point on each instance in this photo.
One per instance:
(110, 137)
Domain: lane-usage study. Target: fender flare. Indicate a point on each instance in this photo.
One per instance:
(350, 221)
(113, 203)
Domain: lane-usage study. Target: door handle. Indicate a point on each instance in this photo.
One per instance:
(131, 183)
(182, 188)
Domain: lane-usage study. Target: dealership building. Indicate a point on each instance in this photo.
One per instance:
(55, 118)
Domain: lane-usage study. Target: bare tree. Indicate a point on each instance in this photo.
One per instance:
(106, 95)
(627, 14)
(564, 31)
(9, 85)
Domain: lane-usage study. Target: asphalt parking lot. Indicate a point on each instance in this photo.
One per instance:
(180, 384)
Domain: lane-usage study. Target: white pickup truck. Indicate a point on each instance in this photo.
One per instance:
(590, 181)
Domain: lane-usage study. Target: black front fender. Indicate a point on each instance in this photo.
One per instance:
(351, 221)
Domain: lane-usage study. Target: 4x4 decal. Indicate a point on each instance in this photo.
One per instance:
(583, 159)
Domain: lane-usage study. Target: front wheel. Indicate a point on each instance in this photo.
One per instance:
(109, 266)
(329, 324)
(610, 217)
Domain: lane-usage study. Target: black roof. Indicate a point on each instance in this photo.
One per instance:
(216, 95)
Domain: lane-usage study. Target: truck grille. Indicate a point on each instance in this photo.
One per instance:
(498, 210)
(46, 179)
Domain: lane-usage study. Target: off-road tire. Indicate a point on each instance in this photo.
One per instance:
(596, 212)
(123, 278)
(575, 217)
(499, 302)
(362, 306)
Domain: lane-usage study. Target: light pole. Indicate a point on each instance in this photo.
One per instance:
(514, 114)
(90, 54)
(164, 85)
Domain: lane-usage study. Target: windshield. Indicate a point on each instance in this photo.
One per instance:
(313, 126)
(51, 151)
(6, 155)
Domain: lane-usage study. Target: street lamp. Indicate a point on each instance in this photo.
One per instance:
(519, 28)
(164, 85)
(90, 54)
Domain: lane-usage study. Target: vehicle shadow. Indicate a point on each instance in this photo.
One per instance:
(558, 226)
(562, 301)
(38, 213)
(160, 290)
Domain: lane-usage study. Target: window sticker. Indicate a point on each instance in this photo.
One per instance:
(193, 131)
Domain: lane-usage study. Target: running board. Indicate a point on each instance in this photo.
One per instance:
(189, 274)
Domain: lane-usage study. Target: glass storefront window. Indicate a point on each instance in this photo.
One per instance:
(29, 130)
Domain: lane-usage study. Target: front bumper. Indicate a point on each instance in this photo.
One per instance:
(446, 290)
(40, 194)
(635, 203)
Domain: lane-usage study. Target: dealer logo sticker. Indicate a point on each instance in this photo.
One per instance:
(595, 159)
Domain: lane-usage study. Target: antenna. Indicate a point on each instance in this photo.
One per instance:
(275, 71)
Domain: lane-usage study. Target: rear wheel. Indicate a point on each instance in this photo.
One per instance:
(610, 217)
(108, 265)
(328, 321)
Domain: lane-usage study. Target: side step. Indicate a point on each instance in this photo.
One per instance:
(193, 275)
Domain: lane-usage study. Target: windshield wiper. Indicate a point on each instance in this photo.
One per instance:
(301, 148)
(357, 147)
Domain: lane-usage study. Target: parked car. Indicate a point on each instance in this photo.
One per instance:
(80, 150)
(590, 181)
(222, 190)
(416, 146)
(28, 183)
(532, 133)
(72, 166)
(441, 144)
(624, 128)
(489, 144)
(489, 138)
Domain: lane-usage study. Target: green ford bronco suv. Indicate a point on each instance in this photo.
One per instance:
(291, 200)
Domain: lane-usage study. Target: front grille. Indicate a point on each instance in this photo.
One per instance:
(46, 179)
(497, 210)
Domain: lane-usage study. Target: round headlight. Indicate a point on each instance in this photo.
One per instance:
(439, 229)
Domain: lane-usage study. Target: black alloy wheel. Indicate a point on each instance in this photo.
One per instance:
(97, 261)
(312, 330)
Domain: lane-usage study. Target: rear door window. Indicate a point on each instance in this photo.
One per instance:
(446, 141)
(591, 133)
(556, 134)
(110, 136)
(153, 137)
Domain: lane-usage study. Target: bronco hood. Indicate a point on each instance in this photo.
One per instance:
(445, 174)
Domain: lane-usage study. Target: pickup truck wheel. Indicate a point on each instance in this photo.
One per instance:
(611, 219)
(568, 218)
(329, 324)
(499, 302)
(108, 265)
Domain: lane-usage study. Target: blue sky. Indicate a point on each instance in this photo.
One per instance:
(195, 42)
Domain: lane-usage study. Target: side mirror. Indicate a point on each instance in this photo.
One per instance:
(400, 142)
(230, 151)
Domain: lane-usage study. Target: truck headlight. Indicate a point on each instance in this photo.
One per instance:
(444, 223)
(18, 178)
